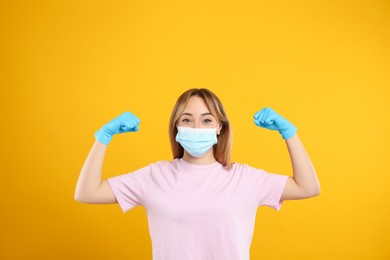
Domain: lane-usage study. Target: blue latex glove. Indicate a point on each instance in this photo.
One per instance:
(126, 122)
(269, 119)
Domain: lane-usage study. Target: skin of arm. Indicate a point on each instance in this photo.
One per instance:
(90, 188)
(304, 183)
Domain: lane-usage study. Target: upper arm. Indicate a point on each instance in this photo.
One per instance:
(293, 192)
(102, 195)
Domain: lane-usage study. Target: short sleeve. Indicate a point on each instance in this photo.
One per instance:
(127, 188)
(269, 188)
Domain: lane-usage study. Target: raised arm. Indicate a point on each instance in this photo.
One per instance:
(90, 187)
(304, 183)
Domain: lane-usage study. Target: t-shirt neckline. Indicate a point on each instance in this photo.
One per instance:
(186, 164)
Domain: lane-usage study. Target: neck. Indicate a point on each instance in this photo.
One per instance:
(205, 159)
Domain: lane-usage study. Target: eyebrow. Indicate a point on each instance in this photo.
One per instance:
(189, 114)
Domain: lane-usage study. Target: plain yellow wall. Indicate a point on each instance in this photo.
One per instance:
(69, 67)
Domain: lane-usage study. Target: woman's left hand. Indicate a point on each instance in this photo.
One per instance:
(269, 119)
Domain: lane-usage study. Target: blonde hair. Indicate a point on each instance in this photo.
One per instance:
(222, 150)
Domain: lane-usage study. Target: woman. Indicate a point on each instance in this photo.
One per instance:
(200, 205)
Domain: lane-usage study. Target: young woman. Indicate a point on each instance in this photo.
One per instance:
(200, 205)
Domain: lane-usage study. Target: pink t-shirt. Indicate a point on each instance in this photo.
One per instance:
(199, 212)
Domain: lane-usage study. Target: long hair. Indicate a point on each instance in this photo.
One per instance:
(222, 150)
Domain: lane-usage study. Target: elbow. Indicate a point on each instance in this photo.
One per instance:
(310, 191)
(313, 189)
(77, 194)
(81, 194)
(313, 192)
(317, 190)
(85, 198)
(80, 198)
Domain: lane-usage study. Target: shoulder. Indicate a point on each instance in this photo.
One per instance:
(247, 170)
(148, 168)
(244, 167)
(162, 165)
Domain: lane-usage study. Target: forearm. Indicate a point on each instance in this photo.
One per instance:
(303, 171)
(91, 174)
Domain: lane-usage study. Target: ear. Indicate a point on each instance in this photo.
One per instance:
(219, 128)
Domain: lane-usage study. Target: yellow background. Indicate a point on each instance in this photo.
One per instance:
(69, 67)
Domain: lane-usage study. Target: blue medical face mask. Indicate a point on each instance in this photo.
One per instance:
(196, 141)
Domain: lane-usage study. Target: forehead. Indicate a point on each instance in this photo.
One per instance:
(196, 105)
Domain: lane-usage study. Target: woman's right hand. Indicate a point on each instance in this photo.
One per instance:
(126, 122)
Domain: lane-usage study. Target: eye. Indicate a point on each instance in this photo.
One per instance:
(186, 120)
(207, 121)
